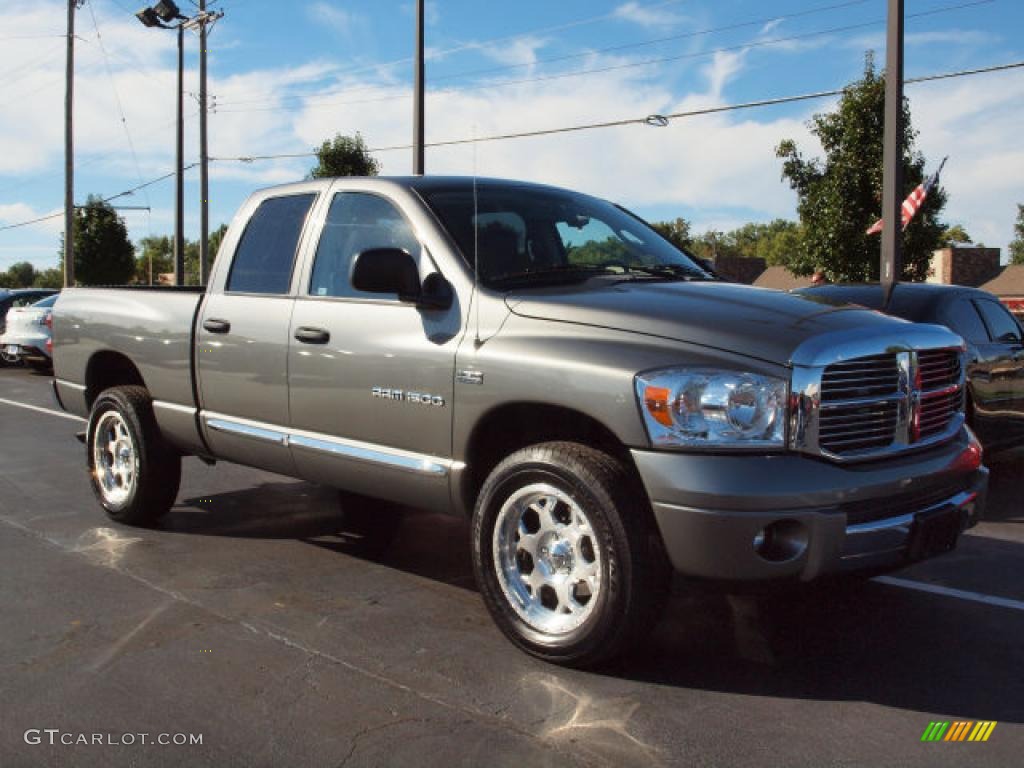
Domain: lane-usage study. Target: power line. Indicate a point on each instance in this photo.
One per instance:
(438, 54)
(585, 54)
(648, 120)
(127, 192)
(597, 51)
(634, 64)
(657, 40)
(117, 97)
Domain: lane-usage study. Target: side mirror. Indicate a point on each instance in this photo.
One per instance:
(386, 270)
(394, 271)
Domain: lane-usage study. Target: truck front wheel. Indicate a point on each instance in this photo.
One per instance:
(565, 556)
(134, 473)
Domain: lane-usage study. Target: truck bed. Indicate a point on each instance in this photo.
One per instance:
(151, 328)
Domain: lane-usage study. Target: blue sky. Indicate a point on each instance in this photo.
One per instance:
(285, 76)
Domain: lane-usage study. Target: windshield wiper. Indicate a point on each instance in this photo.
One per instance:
(556, 272)
(667, 272)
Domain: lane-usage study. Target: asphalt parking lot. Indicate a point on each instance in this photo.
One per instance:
(244, 618)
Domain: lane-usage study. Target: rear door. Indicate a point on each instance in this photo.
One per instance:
(242, 336)
(370, 377)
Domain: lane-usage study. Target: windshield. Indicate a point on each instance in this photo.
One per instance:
(529, 235)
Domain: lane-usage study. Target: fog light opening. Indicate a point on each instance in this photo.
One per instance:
(781, 541)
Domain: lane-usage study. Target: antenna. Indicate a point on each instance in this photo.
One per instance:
(476, 249)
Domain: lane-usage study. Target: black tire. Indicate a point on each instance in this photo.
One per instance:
(625, 550)
(154, 467)
(368, 526)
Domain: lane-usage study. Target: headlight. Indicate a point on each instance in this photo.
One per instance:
(708, 408)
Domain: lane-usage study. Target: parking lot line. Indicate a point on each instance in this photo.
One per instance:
(962, 594)
(50, 411)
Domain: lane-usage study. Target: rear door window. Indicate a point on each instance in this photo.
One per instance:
(1001, 325)
(266, 253)
(963, 318)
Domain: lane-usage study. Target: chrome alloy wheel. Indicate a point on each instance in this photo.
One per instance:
(547, 559)
(115, 458)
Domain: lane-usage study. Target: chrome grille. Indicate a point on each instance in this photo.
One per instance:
(879, 404)
(939, 369)
(859, 404)
(847, 428)
(863, 377)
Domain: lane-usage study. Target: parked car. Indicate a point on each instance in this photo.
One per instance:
(28, 334)
(995, 347)
(547, 364)
(10, 299)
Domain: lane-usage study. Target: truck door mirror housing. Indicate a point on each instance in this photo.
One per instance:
(394, 271)
(386, 270)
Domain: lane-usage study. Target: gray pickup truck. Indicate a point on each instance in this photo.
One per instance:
(604, 409)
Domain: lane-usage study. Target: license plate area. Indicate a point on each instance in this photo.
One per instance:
(935, 531)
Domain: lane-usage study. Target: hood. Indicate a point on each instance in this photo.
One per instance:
(755, 322)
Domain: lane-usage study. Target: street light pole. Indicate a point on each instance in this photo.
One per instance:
(179, 190)
(417, 117)
(204, 160)
(161, 15)
(69, 153)
(892, 154)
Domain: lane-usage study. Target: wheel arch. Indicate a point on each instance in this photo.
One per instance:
(107, 369)
(508, 427)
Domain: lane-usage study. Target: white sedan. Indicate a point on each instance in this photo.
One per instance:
(28, 335)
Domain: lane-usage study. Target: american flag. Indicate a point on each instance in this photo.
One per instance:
(914, 200)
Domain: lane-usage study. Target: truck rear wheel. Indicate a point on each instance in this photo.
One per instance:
(565, 556)
(133, 472)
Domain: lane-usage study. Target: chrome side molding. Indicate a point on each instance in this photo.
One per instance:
(396, 458)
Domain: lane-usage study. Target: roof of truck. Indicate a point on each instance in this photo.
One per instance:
(423, 183)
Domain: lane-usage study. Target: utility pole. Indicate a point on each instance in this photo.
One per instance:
(417, 117)
(179, 179)
(892, 154)
(204, 160)
(69, 153)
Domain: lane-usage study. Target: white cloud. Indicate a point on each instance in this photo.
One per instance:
(647, 16)
(715, 169)
(339, 19)
(517, 51)
(977, 123)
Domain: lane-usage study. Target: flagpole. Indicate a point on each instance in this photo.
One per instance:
(892, 154)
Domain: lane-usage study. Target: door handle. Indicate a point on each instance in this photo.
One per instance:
(312, 335)
(217, 326)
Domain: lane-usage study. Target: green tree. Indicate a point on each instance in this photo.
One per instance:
(156, 257)
(1017, 245)
(103, 253)
(953, 236)
(21, 274)
(49, 278)
(676, 232)
(840, 196)
(5, 280)
(344, 156)
(192, 254)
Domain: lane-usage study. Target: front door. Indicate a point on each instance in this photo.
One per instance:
(370, 377)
